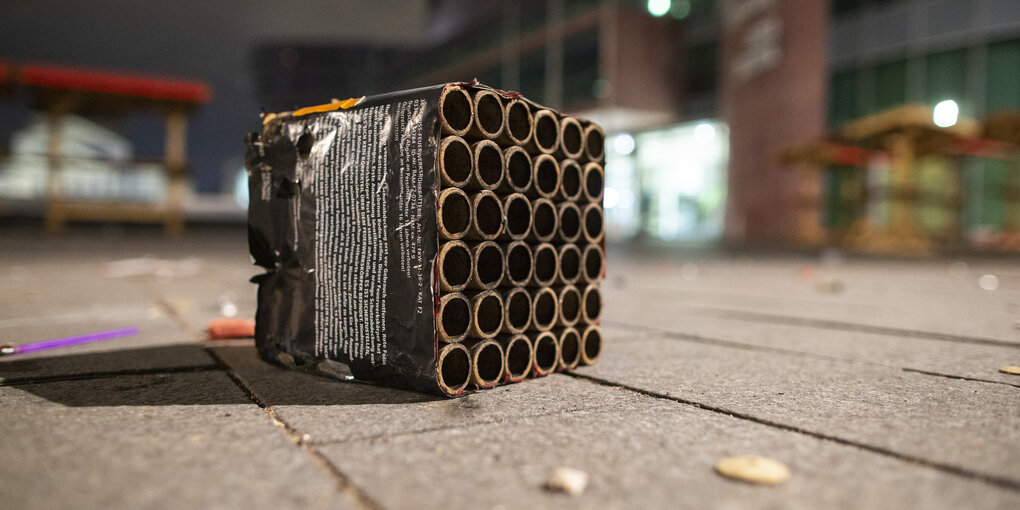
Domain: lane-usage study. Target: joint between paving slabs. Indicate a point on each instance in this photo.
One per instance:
(1005, 483)
(103, 375)
(958, 377)
(343, 483)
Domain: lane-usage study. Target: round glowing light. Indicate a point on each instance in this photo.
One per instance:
(658, 8)
(946, 113)
(624, 144)
(626, 199)
(610, 198)
(704, 133)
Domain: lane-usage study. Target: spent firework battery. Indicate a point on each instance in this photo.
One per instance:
(437, 239)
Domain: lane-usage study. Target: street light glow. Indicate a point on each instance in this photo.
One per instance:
(658, 8)
(946, 113)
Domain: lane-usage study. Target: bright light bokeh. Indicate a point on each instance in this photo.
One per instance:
(658, 8)
(704, 132)
(610, 198)
(946, 113)
(623, 144)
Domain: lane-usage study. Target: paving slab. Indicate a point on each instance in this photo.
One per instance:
(640, 453)
(330, 410)
(151, 441)
(971, 425)
(629, 318)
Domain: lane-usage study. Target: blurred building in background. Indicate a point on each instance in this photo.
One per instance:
(699, 97)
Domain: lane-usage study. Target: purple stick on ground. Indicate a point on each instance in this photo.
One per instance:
(67, 342)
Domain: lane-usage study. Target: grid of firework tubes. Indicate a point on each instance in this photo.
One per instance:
(521, 230)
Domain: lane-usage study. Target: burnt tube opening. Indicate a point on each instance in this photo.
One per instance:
(489, 113)
(592, 304)
(518, 216)
(518, 121)
(518, 358)
(489, 265)
(489, 165)
(594, 142)
(593, 183)
(454, 213)
(454, 368)
(593, 223)
(570, 348)
(572, 137)
(593, 264)
(489, 363)
(518, 263)
(547, 131)
(570, 306)
(592, 344)
(489, 315)
(488, 216)
(544, 309)
(456, 109)
(518, 310)
(518, 169)
(570, 263)
(547, 176)
(455, 317)
(545, 264)
(570, 179)
(456, 161)
(545, 353)
(570, 222)
(455, 265)
(543, 219)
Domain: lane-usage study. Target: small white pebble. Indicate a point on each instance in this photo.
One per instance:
(988, 282)
(306, 437)
(753, 469)
(569, 480)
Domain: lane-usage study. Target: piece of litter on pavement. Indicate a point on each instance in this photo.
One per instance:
(1012, 370)
(220, 329)
(753, 469)
(569, 480)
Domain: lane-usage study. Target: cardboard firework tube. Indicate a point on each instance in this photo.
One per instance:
(453, 319)
(571, 138)
(453, 368)
(486, 216)
(591, 304)
(518, 170)
(593, 224)
(593, 178)
(517, 209)
(570, 348)
(545, 267)
(456, 266)
(568, 298)
(520, 124)
(489, 117)
(570, 181)
(519, 263)
(545, 138)
(487, 362)
(455, 111)
(594, 142)
(369, 238)
(570, 222)
(593, 263)
(487, 266)
(454, 214)
(547, 353)
(516, 310)
(544, 221)
(545, 181)
(591, 344)
(569, 269)
(486, 314)
(455, 162)
(518, 357)
(487, 166)
(544, 309)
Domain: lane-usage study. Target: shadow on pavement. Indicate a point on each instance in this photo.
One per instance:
(156, 376)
